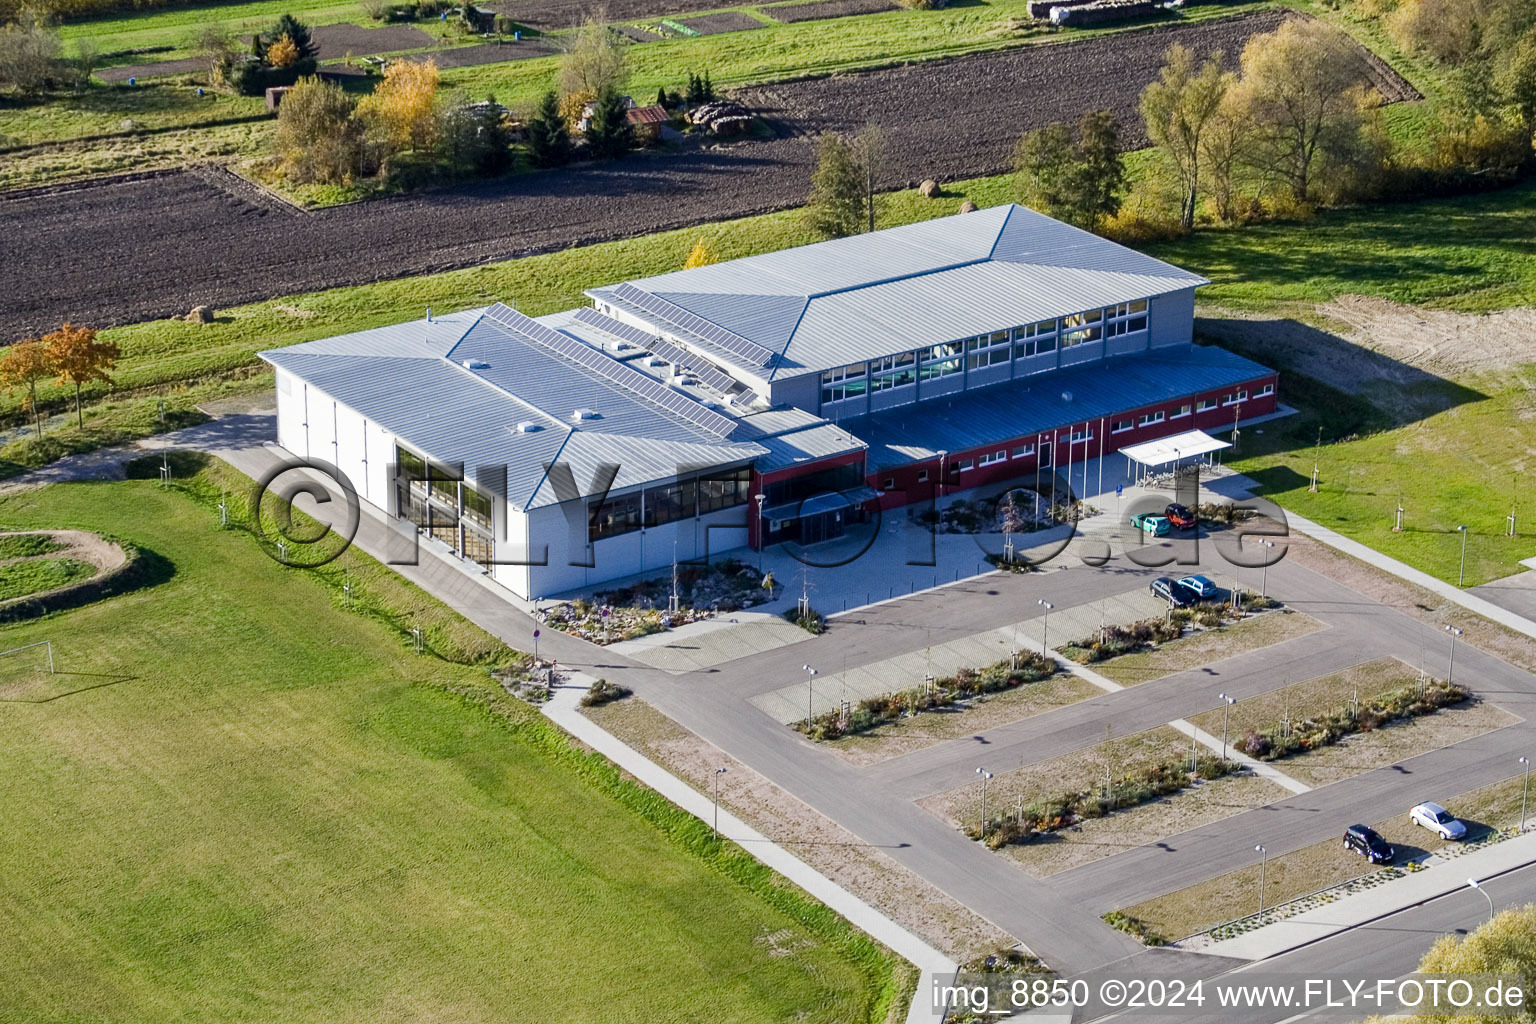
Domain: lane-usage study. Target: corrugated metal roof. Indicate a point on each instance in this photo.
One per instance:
(410, 380)
(801, 446)
(1018, 408)
(852, 299)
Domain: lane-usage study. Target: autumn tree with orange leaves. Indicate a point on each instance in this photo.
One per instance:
(23, 365)
(78, 358)
(401, 113)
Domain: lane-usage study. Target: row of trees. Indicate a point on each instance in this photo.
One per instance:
(324, 135)
(71, 355)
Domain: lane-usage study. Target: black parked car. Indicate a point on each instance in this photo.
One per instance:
(1368, 843)
(1172, 591)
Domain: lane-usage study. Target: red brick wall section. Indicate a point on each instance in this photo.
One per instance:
(905, 488)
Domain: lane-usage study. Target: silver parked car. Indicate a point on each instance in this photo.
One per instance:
(1438, 819)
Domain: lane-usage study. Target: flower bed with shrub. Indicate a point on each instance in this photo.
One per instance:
(1113, 641)
(1397, 705)
(1063, 810)
(603, 692)
(810, 620)
(965, 685)
(640, 609)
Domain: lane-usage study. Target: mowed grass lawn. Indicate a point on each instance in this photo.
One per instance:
(278, 813)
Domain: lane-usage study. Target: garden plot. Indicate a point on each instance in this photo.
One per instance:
(553, 15)
(162, 245)
(819, 10)
(348, 40)
(487, 53)
(725, 21)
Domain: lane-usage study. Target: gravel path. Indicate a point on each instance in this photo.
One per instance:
(136, 249)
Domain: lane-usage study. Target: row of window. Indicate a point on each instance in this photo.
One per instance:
(982, 351)
(668, 503)
(438, 501)
(1080, 435)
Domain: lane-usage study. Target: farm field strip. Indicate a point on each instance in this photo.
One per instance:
(197, 246)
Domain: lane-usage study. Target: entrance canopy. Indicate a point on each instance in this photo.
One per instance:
(1187, 445)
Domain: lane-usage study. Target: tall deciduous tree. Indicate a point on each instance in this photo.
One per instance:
(1302, 90)
(549, 137)
(1079, 181)
(837, 206)
(594, 63)
(79, 358)
(1177, 109)
(401, 113)
(1222, 145)
(21, 368)
(318, 138)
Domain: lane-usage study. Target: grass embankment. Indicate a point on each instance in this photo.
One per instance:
(278, 812)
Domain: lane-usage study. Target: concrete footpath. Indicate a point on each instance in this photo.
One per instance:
(1369, 905)
(563, 708)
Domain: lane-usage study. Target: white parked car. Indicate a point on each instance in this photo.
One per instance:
(1438, 819)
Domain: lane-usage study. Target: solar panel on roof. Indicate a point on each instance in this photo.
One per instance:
(680, 317)
(746, 398)
(611, 369)
(676, 355)
(617, 328)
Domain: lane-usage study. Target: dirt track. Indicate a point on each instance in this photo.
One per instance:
(141, 249)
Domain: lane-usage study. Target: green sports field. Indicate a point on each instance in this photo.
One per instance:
(258, 806)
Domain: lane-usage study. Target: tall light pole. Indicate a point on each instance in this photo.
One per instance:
(810, 695)
(1450, 669)
(1461, 579)
(1474, 884)
(1525, 792)
(762, 530)
(1263, 863)
(1264, 579)
(718, 772)
(1226, 711)
(1045, 633)
(985, 778)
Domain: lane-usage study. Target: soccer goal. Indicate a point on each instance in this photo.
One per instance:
(24, 668)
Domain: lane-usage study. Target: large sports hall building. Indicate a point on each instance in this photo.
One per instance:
(777, 397)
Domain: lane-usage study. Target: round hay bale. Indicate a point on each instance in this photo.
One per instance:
(967, 207)
(200, 315)
(928, 189)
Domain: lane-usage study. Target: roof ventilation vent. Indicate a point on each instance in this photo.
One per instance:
(685, 379)
(528, 427)
(475, 364)
(585, 414)
(1066, 396)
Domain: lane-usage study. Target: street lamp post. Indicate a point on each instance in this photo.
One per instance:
(1264, 578)
(1045, 630)
(985, 778)
(810, 695)
(762, 530)
(1226, 711)
(718, 772)
(1450, 669)
(1525, 792)
(1461, 579)
(1474, 884)
(1263, 863)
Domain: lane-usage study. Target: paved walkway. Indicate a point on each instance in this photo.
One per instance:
(1388, 898)
(564, 710)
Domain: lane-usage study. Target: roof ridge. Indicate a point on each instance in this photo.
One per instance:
(519, 399)
(544, 475)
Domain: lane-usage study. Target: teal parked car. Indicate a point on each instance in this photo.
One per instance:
(1149, 522)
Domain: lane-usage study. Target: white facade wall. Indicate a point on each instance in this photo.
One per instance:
(627, 554)
(1173, 319)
